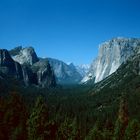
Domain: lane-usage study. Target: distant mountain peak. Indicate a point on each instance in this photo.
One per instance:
(32, 74)
(25, 55)
(8, 66)
(111, 55)
(83, 69)
(64, 73)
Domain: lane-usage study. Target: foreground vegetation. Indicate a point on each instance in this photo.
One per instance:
(69, 113)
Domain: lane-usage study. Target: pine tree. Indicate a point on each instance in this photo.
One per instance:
(38, 121)
(95, 133)
(74, 130)
(118, 132)
(107, 135)
(122, 120)
(108, 130)
(133, 130)
(68, 130)
(3, 127)
(15, 118)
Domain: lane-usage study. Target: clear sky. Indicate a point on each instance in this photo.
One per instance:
(69, 30)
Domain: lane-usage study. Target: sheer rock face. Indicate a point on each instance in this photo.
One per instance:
(83, 69)
(26, 56)
(33, 72)
(9, 66)
(65, 74)
(128, 70)
(44, 73)
(111, 55)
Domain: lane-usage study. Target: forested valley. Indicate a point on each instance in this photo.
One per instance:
(69, 113)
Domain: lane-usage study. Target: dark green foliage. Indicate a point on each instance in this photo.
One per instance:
(66, 113)
(122, 121)
(37, 123)
(68, 130)
(123, 112)
(3, 129)
(107, 135)
(75, 112)
(133, 130)
(95, 133)
(119, 130)
(13, 118)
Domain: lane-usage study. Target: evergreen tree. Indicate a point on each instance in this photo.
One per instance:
(108, 130)
(52, 129)
(133, 130)
(15, 118)
(122, 120)
(95, 133)
(74, 130)
(3, 127)
(118, 132)
(107, 135)
(38, 121)
(68, 130)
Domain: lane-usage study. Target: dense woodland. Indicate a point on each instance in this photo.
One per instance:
(70, 113)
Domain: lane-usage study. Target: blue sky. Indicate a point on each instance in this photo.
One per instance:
(69, 30)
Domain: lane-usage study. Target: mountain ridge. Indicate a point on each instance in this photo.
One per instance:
(64, 73)
(111, 55)
(25, 73)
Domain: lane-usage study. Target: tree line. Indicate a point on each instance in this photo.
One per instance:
(20, 122)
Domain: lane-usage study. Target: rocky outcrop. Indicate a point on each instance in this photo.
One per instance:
(39, 73)
(44, 73)
(15, 51)
(125, 77)
(83, 69)
(9, 66)
(65, 74)
(24, 55)
(111, 55)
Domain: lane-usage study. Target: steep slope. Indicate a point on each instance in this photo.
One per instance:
(44, 73)
(24, 55)
(15, 51)
(83, 69)
(65, 74)
(8, 66)
(111, 55)
(126, 77)
(36, 74)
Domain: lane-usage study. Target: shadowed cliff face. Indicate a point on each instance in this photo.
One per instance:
(65, 74)
(44, 73)
(9, 66)
(111, 55)
(43, 77)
